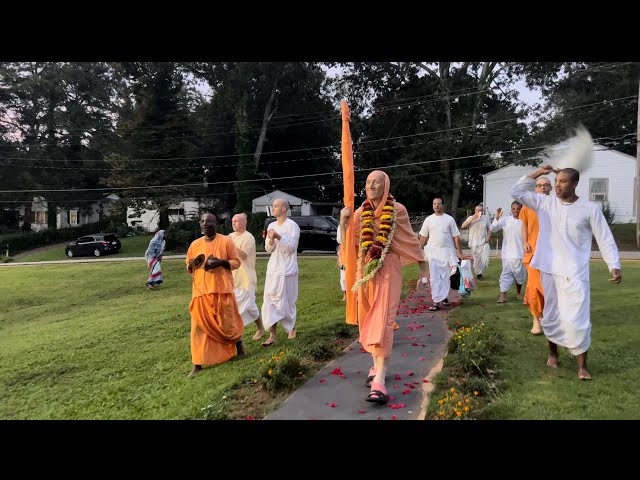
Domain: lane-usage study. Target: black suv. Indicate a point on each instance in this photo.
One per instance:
(96, 244)
(317, 232)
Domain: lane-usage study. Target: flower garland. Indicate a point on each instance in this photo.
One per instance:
(374, 246)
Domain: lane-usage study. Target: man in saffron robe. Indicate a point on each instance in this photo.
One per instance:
(385, 243)
(216, 324)
(534, 293)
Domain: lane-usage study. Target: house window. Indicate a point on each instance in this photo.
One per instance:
(176, 212)
(73, 217)
(296, 210)
(42, 217)
(599, 189)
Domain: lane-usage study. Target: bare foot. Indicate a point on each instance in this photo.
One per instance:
(583, 374)
(536, 329)
(258, 335)
(196, 369)
(502, 298)
(270, 341)
(292, 334)
(518, 297)
(552, 362)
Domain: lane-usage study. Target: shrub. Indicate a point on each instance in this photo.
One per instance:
(282, 372)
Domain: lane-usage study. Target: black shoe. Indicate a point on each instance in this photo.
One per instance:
(479, 276)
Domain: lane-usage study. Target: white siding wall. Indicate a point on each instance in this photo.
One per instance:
(620, 169)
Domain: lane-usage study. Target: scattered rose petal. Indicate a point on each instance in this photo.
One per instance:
(395, 406)
(322, 380)
(361, 411)
(405, 392)
(338, 372)
(249, 417)
(333, 405)
(405, 355)
(414, 344)
(393, 417)
(422, 358)
(424, 345)
(409, 374)
(362, 350)
(425, 381)
(377, 418)
(398, 377)
(428, 334)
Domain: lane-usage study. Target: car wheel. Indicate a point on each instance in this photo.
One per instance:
(70, 253)
(97, 252)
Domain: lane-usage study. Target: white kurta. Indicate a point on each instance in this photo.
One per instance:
(513, 270)
(562, 256)
(281, 285)
(478, 231)
(440, 251)
(245, 278)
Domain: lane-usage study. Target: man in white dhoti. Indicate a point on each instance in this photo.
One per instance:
(562, 254)
(479, 235)
(244, 277)
(281, 285)
(442, 238)
(513, 270)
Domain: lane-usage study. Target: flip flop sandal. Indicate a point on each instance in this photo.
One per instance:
(377, 395)
(433, 308)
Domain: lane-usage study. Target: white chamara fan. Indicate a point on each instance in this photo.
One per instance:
(576, 152)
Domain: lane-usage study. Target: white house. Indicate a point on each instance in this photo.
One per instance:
(610, 179)
(299, 206)
(148, 219)
(66, 216)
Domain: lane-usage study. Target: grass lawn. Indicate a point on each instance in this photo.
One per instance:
(131, 247)
(528, 388)
(89, 341)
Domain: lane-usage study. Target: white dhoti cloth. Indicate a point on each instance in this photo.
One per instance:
(247, 305)
(280, 296)
(481, 258)
(566, 317)
(439, 274)
(512, 270)
(343, 281)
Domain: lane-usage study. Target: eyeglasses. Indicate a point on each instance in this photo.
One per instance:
(541, 185)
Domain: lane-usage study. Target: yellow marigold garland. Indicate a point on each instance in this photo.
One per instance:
(374, 246)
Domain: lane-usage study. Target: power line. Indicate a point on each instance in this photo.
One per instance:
(599, 103)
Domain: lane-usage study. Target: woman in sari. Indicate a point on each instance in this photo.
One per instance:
(153, 256)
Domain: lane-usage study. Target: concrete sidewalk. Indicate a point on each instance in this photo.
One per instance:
(338, 391)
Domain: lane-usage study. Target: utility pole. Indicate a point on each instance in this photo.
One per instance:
(638, 173)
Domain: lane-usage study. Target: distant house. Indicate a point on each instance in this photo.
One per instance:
(610, 179)
(69, 216)
(299, 206)
(148, 219)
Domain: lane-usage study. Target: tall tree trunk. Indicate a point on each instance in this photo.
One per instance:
(269, 110)
(246, 166)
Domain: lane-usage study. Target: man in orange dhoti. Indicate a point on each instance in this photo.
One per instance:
(385, 242)
(216, 324)
(534, 294)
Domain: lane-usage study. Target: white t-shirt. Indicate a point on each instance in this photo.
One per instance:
(440, 230)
